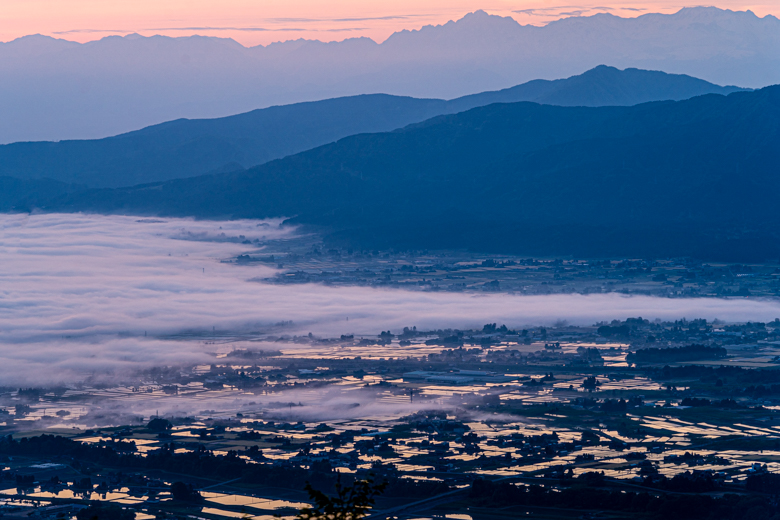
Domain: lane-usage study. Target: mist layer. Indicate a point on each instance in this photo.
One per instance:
(85, 295)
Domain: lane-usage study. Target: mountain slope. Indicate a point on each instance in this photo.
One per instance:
(56, 90)
(19, 195)
(600, 86)
(693, 177)
(186, 148)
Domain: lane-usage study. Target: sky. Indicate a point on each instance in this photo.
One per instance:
(253, 22)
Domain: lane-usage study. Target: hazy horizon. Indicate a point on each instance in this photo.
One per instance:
(523, 17)
(88, 294)
(58, 90)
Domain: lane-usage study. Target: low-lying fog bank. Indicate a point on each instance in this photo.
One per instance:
(86, 294)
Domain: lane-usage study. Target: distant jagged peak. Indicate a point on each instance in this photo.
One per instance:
(711, 14)
(475, 20)
(40, 42)
(686, 15)
(480, 16)
(159, 41)
(33, 38)
(690, 14)
(488, 26)
(708, 12)
(155, 38)
(481, 19)
(358, 41)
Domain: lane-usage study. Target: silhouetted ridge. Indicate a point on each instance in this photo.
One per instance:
(603, 86)
(695, 177)
(187, 148)
(57, 90)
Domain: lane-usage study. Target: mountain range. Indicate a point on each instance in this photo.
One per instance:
(186, 148)
(696, 177)
(55, 89)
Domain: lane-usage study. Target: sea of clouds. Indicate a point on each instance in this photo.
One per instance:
(89, 295)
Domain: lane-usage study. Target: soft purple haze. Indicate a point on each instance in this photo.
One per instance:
(78, 293)
(58, 89)
(252, 23)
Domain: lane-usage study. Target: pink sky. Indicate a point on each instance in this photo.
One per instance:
(253, 22)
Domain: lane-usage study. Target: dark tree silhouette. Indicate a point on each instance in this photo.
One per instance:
(159, 425)
(185, 492)
(350, 503)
